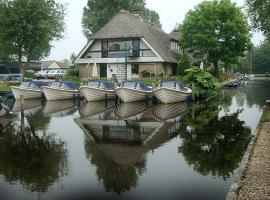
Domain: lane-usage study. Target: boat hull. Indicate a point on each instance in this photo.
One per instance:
(96, 94)
(166, 95)
(26, 93)
(128, 95)
(2, 111)
(52, 94)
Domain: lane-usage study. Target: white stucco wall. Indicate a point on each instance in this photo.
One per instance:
(112, 69)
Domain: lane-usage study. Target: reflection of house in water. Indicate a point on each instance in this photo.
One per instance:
(117, 140)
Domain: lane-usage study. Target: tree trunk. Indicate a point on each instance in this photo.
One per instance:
(22, 69)
(216, 67)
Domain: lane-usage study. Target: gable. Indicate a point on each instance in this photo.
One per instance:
(127, 25)
(54, 65)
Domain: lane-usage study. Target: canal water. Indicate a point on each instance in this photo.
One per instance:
(71, 150)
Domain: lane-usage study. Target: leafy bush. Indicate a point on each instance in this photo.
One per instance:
(155, 80)
(29, 74)
(73, 72)
(204, 81)
(183, 64)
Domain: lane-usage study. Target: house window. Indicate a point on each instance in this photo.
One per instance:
(104, 48)
(116, 48)
(174, 46)
(135, 68)
(136, 48)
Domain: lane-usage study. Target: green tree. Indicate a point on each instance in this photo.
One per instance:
(204, 82)
(29, 26)
(152, 16)
(259, 13)
(183, 64)
(72, 57)
(98, 12)
(217, 29)
(261, 59)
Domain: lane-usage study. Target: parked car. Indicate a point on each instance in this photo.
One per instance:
(56, 73)
(41, 74)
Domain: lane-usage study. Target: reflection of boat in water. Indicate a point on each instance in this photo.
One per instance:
(127, 110)
(167, 112)
(59, 108)
(30, 107)
(93, 108)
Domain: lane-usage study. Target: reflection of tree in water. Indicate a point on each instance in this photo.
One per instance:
(226, 100)
(215, 147)
(257, 92)
(115, 177)
(38, 121)
(33, 160)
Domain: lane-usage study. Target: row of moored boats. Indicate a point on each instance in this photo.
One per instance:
(127, 91)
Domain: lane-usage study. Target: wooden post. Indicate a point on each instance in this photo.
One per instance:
(155, 70)
(22, 113)
(193, 92)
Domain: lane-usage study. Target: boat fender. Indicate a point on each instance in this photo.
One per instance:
(189, 90)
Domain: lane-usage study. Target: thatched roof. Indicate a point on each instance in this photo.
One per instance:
(128, 25)
(175, 35)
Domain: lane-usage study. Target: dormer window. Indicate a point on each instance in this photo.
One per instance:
(174, 46)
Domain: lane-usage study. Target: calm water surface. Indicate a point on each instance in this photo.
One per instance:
(70, 150)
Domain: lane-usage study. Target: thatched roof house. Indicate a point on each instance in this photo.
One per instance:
(128, 45)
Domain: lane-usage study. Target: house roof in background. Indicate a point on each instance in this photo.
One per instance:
(48, 63)
(61, 65)
(128, 25)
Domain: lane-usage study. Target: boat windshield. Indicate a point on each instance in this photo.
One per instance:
(174, 85)
(168, 84)
(129, 84)
(93, 84)
(55, 84)
(33, 85)
(25, 84)
(65, 86)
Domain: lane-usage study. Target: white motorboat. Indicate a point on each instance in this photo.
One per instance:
(29, 90)
(97, 90)
(172, 92)
(132, 91)
(3, 108)
(58, 90)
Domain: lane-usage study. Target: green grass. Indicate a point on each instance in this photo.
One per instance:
(75, 79)
(265, 117)
(4, 87)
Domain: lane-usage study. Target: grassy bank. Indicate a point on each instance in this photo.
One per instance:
(5, 87)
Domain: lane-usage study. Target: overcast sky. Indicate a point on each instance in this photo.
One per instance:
(170, 12)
